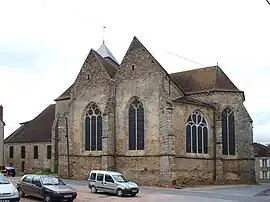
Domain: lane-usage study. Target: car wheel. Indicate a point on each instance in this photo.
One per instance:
(133, 195)
(93, 189)
(70, 200)
(22, 194)
(47, 198)
(119, 192)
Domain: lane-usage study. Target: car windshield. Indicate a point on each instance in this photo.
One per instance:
(3, 180)
(120, 178)
(52, 181)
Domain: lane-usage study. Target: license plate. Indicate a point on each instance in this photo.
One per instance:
(4, 200)
(68, 196)
(134, 190)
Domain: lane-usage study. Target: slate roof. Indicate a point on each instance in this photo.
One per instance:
(204, 79)
(104, 52)
(261, 150)
(37, 130)
(189, 100)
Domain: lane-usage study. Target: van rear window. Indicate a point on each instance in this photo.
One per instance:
(93, 176)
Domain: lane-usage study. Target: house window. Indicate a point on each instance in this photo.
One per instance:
(228, 132)
(23, 152)
(264, 163)
(265, 174)
(49, 152)
(11, 152)
(136, 125)
(35, 152)
(196, 133)
(93, 129)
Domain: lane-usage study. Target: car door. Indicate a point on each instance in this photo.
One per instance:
(36, 187)
(26, 184)
(99, 182)
(109, 184)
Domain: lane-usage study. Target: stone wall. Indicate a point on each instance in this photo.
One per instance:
(239, 167)
(31, 164)
(191, 168)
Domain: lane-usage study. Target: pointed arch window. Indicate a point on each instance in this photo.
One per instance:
(196, 133)
(93, 129)
(228, 132)
(136, 125)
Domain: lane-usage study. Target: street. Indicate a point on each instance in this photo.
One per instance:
(241, 193)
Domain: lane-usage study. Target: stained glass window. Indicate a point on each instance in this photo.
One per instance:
(196, 133)
(228, 132)
(136, 125)
(93, 129)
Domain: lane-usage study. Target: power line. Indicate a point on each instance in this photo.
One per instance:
(185, 58)
(268, 2)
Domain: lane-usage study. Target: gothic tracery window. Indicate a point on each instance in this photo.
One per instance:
(93, 129)
(136, 125)
(196, 133)
(228, 132)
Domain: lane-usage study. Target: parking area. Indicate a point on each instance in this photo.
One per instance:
(258, 193)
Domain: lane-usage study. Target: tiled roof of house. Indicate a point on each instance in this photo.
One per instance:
(37, 130)
(261, 150)
(204, 79)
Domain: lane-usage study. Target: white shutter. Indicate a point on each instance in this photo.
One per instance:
(261, 163)
(268, 174)
(261, 175)
(268, 162)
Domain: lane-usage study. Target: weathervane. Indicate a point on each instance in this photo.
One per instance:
(104, 27)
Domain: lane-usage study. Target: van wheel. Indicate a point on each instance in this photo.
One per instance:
(119, 192)
(47, 198)
(93, 189)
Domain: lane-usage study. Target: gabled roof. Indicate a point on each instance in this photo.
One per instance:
(37, 130)
(204, 79)
(107, 64)
(104, 52)
(261, 150)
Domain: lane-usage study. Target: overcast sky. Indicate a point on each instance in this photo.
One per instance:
(43, 45)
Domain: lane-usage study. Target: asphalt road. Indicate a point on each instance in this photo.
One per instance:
(254, 193)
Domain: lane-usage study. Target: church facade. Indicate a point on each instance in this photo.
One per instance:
(156, 128)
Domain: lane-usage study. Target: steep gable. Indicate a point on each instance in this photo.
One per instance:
(204, 79)
(106, 63)
(137, 54)
(37, 130)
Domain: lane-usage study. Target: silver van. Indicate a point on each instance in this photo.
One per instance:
(111, 182)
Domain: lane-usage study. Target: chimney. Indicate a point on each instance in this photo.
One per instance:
(1, 113)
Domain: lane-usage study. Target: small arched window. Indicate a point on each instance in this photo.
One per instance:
(49, 152)
(228, 132)
(93, 129)
(23, 152)
(196, 133)
(136, 125)
(11, 152)
(35, 152)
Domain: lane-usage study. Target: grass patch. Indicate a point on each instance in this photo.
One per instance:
(46, 171)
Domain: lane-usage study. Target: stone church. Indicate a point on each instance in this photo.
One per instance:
(154, 127)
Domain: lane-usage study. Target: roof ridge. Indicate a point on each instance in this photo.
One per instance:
(201, 68)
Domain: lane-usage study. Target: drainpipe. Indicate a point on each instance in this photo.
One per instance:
(114, 123)
(67, 147)
(214, 146)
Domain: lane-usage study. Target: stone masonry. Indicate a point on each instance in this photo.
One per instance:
(30, 164)
(164, 159)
